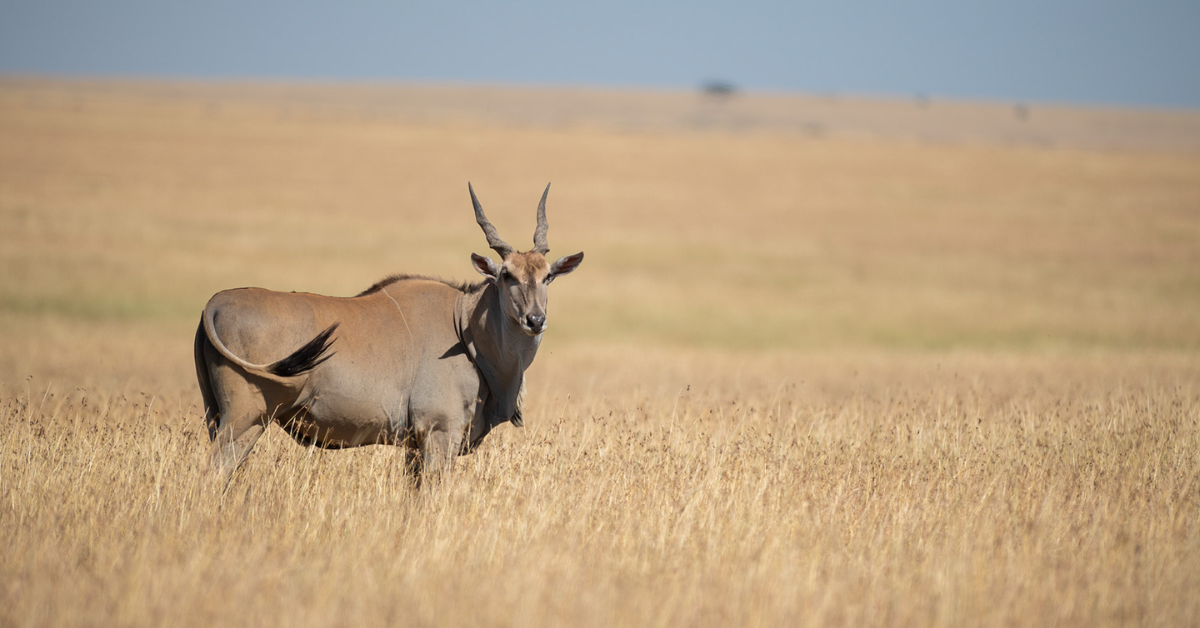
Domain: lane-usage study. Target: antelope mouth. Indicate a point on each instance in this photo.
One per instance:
(530, 331)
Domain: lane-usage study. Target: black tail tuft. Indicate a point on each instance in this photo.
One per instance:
(308, 357)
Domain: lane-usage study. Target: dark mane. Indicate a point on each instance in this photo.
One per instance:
(464, 286)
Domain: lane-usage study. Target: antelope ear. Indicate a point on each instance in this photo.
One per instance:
(566, 264)
(484, 266)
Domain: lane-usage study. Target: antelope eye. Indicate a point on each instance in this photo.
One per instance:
(504, 273)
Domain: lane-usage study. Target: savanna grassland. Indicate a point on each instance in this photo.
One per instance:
(916, 365)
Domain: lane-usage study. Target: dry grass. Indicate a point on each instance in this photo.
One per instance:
(797, 381)
(981, 494)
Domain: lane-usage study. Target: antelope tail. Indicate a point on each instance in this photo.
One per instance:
(308, 357)
(301, 361)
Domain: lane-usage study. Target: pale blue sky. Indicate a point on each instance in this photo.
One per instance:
(1128, 53)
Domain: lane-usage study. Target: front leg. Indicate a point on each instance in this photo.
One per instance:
(479, 427)
(440, 447)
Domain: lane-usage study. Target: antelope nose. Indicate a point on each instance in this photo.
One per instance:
(536, 322)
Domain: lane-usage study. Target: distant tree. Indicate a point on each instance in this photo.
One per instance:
(723, 89)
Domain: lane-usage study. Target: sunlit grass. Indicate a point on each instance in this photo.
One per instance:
(975, 494)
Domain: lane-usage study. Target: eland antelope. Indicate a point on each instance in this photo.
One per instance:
(412, 361)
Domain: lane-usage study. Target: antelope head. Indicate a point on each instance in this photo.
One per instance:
(522, 278)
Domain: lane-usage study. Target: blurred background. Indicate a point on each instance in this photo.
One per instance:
(1127, 53)
(803, 178)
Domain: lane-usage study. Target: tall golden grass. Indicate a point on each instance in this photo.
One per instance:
(797, 381)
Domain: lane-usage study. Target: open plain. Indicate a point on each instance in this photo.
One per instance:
(827, 362)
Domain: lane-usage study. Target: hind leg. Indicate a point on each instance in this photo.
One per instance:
(231, 445)
(235, 423)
